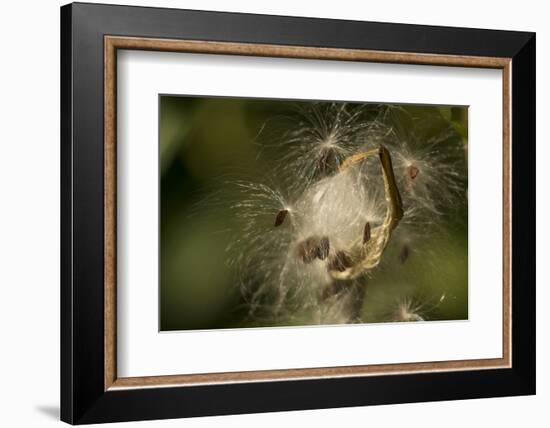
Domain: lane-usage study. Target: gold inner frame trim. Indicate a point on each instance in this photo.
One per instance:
(113, 43)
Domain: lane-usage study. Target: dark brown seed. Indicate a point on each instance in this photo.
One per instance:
(327, 161)
(413, 172)
(281, 215)
(324, 248)
(340, 261)
(308, 250)
(366, 233)
(404, 253)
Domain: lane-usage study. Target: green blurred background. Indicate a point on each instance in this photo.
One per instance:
(206, 143)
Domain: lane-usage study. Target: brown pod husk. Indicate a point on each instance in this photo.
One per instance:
(340, 261)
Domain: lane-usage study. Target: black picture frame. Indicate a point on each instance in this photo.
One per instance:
(83, 396)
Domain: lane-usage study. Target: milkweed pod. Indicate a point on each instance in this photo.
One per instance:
(340, 261)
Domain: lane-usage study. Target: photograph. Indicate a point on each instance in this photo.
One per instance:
(285, 213)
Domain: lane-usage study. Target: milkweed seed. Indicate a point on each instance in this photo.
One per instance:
(281, 215)
(324, 248)
(340, 261)
(413, 172)
(327, 161)
(404, 253)
(366, 233)
(308, 250)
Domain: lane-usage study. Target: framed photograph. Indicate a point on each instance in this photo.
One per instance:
(266, 213)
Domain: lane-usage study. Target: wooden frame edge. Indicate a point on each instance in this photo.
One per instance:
(301, 52)
(309, 373)
(507, 213)
(112, 43)
(109, 198)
